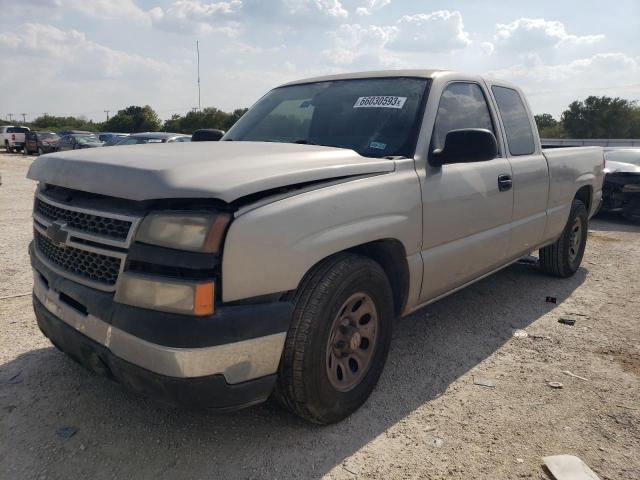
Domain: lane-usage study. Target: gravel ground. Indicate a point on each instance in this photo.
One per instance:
(426, 418)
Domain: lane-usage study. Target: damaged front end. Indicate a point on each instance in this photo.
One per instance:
(621, 193)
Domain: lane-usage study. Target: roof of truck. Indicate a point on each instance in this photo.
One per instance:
(425, 73)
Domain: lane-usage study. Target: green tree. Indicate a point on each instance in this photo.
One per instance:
(56, 124)
(134, 119)
(209, 117)
(602, 117)
(545, 120)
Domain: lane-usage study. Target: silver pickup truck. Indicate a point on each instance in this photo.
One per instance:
(274, 261)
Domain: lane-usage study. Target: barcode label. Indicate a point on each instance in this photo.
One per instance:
(380, 102)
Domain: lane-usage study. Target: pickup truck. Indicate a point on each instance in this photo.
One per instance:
(274, 261)
(12, 138)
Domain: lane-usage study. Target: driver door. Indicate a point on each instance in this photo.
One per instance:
(466, 214)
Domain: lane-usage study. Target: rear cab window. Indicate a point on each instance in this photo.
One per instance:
(516, 121)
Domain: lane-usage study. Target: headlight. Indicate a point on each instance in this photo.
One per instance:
(198, 232)
(191, 298)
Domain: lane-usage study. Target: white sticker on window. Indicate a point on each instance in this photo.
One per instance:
(380, 102)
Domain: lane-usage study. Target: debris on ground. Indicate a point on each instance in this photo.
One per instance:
(567, 321)
(484, 382)
(569, 467)
(551, 300)
(555, 384)
(436, 442)
(528, 260)
(520, 333)
(66, 432)
(567, 372)
(12, 380)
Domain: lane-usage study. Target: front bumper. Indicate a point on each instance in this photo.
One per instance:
(223, 361)
(620, 194)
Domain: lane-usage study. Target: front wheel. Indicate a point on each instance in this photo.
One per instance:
(563, 258)
(338, 340)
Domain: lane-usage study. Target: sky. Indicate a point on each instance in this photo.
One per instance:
(82, 57)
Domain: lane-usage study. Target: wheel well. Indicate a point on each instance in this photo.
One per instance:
(584, 195)
(391, 256)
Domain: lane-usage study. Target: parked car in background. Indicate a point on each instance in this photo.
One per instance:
(12, 137)
(40, 142)
(77, 141)
(278, 258)
(111, 138)
(207, 135)
(154, 137)
(621, 189)
(62, 133)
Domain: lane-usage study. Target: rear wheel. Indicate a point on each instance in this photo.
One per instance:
(338, 341)
(563, 258)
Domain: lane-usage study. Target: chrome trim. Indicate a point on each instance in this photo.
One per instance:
(238, 362)
(80, 246)
(135, 222)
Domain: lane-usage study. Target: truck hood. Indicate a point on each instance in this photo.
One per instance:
(222, 170)
(620, 167)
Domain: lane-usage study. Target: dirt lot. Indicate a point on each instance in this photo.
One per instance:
(425, 420)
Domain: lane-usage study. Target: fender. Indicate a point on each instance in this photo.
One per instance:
(276, 244)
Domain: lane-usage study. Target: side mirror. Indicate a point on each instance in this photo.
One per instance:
(207, 135)
(465, 146)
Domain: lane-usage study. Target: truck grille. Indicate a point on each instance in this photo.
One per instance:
(86, 245)
(90, 265)
(84, 222)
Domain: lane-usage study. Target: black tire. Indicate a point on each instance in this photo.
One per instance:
(304, 386)
(40, 151)
(563, 258)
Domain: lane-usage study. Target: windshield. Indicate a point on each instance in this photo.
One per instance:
(87, 139)
(624, 155)
(376, 117)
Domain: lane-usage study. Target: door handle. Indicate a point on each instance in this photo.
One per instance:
(504, 183)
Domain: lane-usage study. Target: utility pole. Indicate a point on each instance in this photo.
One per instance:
(10, 115)
(24, 117)
(198, 52)
(107, 112)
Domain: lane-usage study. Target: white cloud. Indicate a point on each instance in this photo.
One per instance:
(352, 41)
(108, 9)
(527, 34)
(441, 31)
(551, 87)
(74, 51)
(371, 5)
(75, 74)
(196, 16)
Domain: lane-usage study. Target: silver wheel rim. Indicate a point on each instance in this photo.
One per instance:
(352, 342)
(575, 239)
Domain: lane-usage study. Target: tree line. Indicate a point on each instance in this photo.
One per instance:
(135, 119)
(594, 117)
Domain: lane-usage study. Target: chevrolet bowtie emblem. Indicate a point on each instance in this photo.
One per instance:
(56, 234)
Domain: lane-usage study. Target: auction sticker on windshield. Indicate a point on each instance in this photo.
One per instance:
(380, 102)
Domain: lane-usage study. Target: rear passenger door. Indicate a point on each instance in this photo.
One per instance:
(466, 216)
(529, 167)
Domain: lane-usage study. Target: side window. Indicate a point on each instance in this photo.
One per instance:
(462, 105)
(516, 121)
